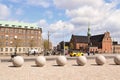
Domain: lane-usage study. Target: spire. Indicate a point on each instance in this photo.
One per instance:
(88, 33)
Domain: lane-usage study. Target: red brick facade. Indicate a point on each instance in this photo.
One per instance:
(99, 43)
(28, 36)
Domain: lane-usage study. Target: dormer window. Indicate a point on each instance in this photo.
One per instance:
(13, 25)
(26, 26)
(31, 27)
(6, 25)
(19, 26)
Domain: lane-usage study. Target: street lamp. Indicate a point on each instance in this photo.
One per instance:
(15, 38)
(63, 41)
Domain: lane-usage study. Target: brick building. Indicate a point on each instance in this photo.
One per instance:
(21, 37)
(116, 47)
(101, 43)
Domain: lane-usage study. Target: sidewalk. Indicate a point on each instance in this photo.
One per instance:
(53, 57)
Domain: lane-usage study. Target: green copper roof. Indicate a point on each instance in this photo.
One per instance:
(18, 24)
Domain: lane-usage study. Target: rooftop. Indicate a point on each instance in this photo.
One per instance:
(18, 24)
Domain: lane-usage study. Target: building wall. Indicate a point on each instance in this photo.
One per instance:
(23, 36)
(107, 43)
(81, 45)
(116, 48)
(103, 47)
(93, 49)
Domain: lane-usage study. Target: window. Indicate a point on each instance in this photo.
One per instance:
(1, 49)
(2, 29)
(13, 25)
(32, 32)
(2, 37)
(28, 32)
(6, 49)
(6, 37)
(16, 30)
(11, 37)
(19, 26)
(20, 31)
(6, 25)
(26, 26)
(6, 43)
(6, 30)
(31, 27)
(11, 30)
(28, 49)
(19, 49)
(11, 49)
(23, 49)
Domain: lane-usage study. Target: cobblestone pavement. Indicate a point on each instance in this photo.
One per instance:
(51, 71)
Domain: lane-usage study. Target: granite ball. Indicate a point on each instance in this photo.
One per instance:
(40, 61)
(18, 61)
(100, 60)
(61, 60)
(81, 60)
(117, 59)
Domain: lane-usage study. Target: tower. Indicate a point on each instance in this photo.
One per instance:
(89, 35)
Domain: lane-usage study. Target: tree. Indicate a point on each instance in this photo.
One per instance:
(46, 46)
(32, 43)
(16, 43)
(71, 46)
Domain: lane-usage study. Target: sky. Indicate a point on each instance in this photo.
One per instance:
(62, 18)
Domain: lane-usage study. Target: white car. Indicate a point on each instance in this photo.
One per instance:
(33, 51)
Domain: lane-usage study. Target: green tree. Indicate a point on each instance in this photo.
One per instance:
(46, 46)
(16, 43)
(32, 43)
(71, 46)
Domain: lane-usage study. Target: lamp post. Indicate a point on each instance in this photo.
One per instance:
(89, 42)
(15, 38)
(63, 41)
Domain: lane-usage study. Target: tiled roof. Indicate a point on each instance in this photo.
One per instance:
(80, 39)
(97, 38)
(84, 39)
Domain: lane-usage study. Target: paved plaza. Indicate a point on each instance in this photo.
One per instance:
(51, 71)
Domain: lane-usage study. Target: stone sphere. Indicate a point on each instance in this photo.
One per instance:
(61, 60)
(117, 59)
(40, 61)
(81, 60)
(18, 61)
(100, 60)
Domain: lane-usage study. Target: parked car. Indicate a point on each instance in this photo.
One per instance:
(76, 53)
(33, 52)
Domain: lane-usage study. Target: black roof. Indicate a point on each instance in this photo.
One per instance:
(84, 39)
(80, 39)
(97, 38)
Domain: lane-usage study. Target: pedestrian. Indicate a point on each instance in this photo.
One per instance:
(93, 52)
(88, 53)
(34, 53)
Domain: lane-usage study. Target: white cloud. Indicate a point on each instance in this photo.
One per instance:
(4, 11)
(61, 26)
(42, 3)
(102, 16)
(73, 4)
(42, 23)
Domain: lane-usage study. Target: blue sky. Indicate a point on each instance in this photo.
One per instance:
(65, 17)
